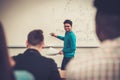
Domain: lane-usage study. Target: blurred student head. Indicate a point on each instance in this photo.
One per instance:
(6, 62)
(102, 63)
(107, 19)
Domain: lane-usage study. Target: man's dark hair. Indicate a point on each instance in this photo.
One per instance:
(68, 22)
(35, 37)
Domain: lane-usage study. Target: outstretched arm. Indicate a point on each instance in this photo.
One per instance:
(53, 34)
(59, 37)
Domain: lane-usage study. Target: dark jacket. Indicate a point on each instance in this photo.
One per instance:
(41, 67)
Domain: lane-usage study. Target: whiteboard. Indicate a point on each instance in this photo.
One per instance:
(20, 17)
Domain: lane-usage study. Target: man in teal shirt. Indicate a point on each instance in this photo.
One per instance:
(69, 43)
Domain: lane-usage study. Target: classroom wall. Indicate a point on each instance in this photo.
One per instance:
(19, 17)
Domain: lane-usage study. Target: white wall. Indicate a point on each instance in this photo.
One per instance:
(21, 16)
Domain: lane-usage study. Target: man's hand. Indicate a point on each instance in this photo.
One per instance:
(53, 34)
(61, 52)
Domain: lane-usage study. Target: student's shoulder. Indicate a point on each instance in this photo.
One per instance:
(49, 60)
(17, 56)
(46, 58)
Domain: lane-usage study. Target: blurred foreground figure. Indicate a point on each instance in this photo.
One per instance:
(7, 63)
(104, 62)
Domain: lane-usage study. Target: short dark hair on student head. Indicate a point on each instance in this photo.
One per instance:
(35, 37)
(108, 6)
(68, 22)
(107, 19)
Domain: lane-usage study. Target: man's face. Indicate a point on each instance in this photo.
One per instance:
(67, 27)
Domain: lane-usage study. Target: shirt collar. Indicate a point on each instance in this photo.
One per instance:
(32, 51)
